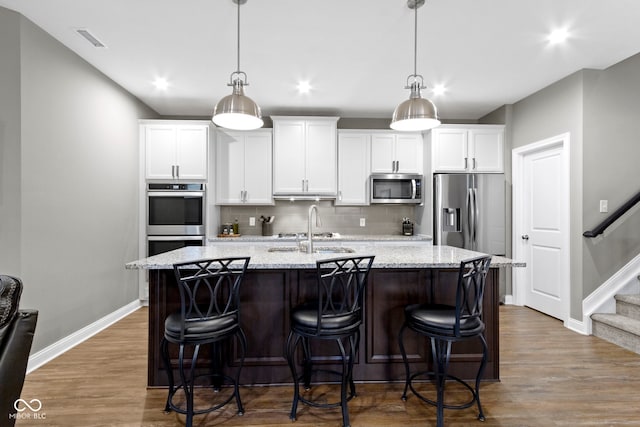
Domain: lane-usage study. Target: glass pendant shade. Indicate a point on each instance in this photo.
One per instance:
(237, 111)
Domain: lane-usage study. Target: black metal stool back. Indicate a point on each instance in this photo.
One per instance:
(335, 313)
(209, 313)
(445, 324)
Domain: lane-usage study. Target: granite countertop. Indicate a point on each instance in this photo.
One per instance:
(396, 256)
(338, 237)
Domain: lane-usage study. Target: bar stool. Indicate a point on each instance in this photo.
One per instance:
(444, 325)
(334, 314)
(209, 314)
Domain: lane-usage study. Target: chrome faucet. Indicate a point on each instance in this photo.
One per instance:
(309, 230)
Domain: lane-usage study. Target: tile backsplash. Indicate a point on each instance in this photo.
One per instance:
(291, 217)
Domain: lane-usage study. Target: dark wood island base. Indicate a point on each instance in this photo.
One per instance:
(268, 294)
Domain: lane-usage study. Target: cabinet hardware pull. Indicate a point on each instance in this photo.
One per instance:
(525, 237)
(466, 162)
(474, 163)
(177, 171)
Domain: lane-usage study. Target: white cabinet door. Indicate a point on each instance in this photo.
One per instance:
(229, 168)
(288, 156)
(353, 168)
(304, 155)
(449, 150)
(382, 153)
(487, 148)
(257, 168)
(466, 148)
(191, 152)
(160, 151)
(176, 151)
(396, 153)
(243, 168)
(408, 153)
(321, 159)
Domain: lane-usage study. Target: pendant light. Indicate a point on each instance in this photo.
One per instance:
(237, 111)
(416, 113)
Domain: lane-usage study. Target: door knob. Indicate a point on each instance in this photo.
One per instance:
(525, 237)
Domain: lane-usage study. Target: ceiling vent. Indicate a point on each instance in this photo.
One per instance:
(90, 37)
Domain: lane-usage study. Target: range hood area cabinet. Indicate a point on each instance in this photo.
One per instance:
(393, 152)
(304, 156)
(175, 150)
(244, 167)
(467, 148)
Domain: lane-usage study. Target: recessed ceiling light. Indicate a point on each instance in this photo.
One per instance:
(161, 83)
(558, 36)
(439, 89)
(304, 87)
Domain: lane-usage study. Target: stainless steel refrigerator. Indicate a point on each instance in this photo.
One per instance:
(469, 211)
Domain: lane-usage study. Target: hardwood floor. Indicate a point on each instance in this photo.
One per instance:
(550, 376)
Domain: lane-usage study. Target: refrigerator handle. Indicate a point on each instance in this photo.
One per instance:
(476, 214)
(469, 229)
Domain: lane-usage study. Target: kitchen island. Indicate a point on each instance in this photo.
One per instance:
(278, 279)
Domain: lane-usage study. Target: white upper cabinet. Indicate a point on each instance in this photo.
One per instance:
(393, 152)
(353, 167)
(175, 151)
(304, 155)
(243, 167)
(467, 148)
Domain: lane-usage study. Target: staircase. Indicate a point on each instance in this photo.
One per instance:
(623, 327)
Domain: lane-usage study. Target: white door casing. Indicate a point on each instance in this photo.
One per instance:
(541, 225)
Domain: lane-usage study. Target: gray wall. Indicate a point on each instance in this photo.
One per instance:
(610, 167)
(9, 141)
(74, 178)
(600, 110)
(552, 111)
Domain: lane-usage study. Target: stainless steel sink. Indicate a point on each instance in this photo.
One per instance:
(284, 249)
(333, 250)
(317, 250)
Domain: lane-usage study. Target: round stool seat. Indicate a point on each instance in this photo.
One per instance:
(200, 330)
(440, 319)
(304, 320)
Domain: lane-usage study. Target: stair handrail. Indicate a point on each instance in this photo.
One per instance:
(599, 229)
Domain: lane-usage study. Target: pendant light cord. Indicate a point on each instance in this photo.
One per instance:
(415, 40)
(238, 38)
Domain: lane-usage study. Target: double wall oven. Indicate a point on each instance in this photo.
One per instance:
(175, 216)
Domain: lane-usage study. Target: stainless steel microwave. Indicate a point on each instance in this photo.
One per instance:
(396, 188)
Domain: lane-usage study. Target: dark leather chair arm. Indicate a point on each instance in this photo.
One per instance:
(15, 346)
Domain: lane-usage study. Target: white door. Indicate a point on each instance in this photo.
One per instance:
(541, 226)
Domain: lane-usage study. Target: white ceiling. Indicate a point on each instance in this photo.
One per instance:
(356, 54)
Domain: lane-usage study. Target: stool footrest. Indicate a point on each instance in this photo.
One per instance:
(433, 376)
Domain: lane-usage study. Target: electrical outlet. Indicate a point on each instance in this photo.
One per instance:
(363, 222)
(604, 206)
(252, 221)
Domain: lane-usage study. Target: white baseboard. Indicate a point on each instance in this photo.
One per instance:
(508, 299)
(576, 326)
(59, 347)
